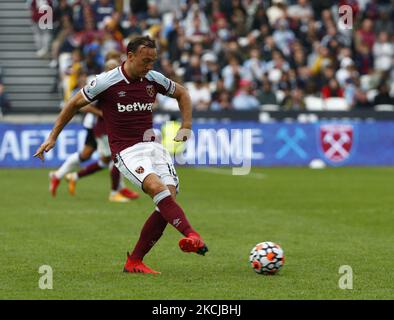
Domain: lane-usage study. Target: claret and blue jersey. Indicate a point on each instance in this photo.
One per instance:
(126, 103)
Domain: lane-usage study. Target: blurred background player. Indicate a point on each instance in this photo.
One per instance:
(96, 139)
(119, 193)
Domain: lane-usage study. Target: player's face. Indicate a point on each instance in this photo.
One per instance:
(142, 61)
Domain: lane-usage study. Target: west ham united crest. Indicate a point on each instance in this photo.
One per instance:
(140, 170)
(150, 90)
(337, 141)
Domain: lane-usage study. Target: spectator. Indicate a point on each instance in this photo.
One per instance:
(132, 27)
(276, 11)
(193, 69)
(260, 19)
(176, 41)
(346, 71)
(276, 67)
(196, 25)
(254, 66)
(94, 60)
(73, 74)
(5, 104)
(222, 103)
(385, 21)
(232, 73)
(152, 17)
(283, 36)
(383, 96)
(63, 9)
(319, 59)
(268, 48)
(42, 36)
(333, 35)
(111, 39)
(332, 89)
(210, 67)
(302, 11)
(58, 44)
(293, 100)
(102, 9)
(238, 18)
(365, 34)
(265, 95)
(350, 92)
(199, 94)
(383, 52)
(244, 99)
(364, 60)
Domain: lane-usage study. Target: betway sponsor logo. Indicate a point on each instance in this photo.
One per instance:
(136, 106)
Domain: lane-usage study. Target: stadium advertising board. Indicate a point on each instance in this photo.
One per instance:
(233, 144)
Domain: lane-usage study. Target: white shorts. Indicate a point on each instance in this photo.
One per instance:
(103, 148)
(144, 158)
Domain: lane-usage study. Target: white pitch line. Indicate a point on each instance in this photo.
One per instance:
(226, 172)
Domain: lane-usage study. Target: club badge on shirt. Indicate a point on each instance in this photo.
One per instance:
(140, 170)
(150, 90)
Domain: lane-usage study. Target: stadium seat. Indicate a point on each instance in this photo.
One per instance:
(269, 107)
(371, 94)
(365, 82)
(336, 104)
(280, 95)
(384, 107)
(313, 103)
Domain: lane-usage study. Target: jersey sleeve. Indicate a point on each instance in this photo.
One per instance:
(164, 85)
(99, 84)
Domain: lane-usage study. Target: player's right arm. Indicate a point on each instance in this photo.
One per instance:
(92, 109)
(70, 109)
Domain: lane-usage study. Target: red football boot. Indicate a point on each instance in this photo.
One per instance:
(129, 193)
(53, 183)
(137, 266)
(193, 243)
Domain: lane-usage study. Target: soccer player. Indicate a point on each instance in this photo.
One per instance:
(127, 94)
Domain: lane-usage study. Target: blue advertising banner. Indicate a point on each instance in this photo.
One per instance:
(234, 143)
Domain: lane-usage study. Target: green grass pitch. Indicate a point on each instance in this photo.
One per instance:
(322, 219)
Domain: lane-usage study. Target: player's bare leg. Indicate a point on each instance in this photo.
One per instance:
(73, 177)
(118, 189)
(118, 192)
(71, 162)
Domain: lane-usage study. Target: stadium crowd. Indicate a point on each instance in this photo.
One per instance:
(235, 54)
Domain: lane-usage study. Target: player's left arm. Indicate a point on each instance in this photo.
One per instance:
(185, 105)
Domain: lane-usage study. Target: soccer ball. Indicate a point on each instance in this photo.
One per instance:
(266, 258)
